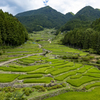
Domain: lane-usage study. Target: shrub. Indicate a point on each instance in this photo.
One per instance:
(2, 95)
(85, 58)
(15, 96)
(0, 89)
(98, 62)
(27, 93)
(7, 89)
(92, 51)
(64, 84)
(0, 53)
(54, 87)
(59, 86)
(70, 57)
(42, 89)
(8, 95)
(36, 87)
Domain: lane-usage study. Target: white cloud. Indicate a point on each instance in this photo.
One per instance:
(64, 6)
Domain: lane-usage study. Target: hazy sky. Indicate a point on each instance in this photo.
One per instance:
(64, 6)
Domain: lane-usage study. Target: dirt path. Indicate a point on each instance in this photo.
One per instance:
(40, 46)
(49, 40)
(6, 62)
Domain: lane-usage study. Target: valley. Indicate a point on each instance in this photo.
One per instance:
(47, 55)
(42, 67)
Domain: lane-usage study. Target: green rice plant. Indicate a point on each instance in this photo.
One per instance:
(39, 80)
(30, 76)
(96, 75)
(51, 69)
(57, 64)
(76, 76)
(69, 64)
(74, 95)
(39, 71)
(54, 87)
(54, 60)
(8, 77)
(94, 70)
(66, 69)
(84, 68)
(24, 69)
(62, 50)
(25, 49)
(82, 80)
(29, 60)
(26, 62)
(92, 85)
(63, 76)
(14, 66)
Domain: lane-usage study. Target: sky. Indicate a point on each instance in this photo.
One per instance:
(64, 6)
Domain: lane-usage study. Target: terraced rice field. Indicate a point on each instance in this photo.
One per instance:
(49, 69)
(75, 74)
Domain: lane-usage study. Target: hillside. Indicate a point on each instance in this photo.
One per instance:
(89, 12)
(45, 68)
(12, 32)
(45, 17)
(82, 18)
(85, 38)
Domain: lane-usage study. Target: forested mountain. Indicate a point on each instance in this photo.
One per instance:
(69, 16)
(85, 38)
(89, 13)
(12, 31)
(45, 17)
(83, 18)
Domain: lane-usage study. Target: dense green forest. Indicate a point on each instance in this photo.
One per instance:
(85, 38)
(12, 31)
(82, 18)
(45, 17)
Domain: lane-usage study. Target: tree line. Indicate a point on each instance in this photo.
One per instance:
(12, 32)
(85, 38)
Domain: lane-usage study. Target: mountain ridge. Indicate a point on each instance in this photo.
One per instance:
(47, 17)
(83, 18)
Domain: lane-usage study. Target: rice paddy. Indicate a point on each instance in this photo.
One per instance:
(49, 68)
